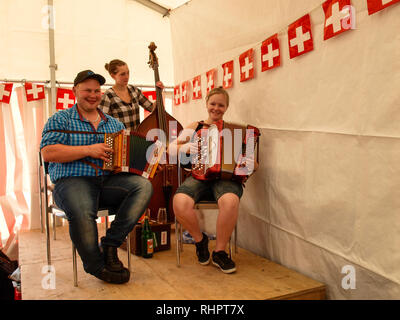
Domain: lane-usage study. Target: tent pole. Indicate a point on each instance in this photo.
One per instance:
(53, 65)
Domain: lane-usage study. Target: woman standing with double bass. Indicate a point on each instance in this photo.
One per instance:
(122, 100)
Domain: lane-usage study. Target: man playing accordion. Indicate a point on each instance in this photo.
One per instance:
(73, 144)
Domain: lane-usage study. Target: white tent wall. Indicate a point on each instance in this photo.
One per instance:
(88, 33)
(327, 194)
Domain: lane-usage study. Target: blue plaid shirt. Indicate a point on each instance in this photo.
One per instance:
(71, 120)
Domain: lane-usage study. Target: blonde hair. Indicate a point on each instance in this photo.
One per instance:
(218, 90)
(112, 66)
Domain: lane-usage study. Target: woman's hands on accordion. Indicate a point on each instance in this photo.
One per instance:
(100, 151)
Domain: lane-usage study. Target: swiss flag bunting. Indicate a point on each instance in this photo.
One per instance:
(210, 80)
(5, 92)
(185, 92)
(338, 17)
(177, 95)
(270, 53)
(246, 62)
(65, 99)
(227, 69)
(196, 85)
(34, 91)
(377, 5)
(300, 37)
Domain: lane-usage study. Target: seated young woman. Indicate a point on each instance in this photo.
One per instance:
(227, 193)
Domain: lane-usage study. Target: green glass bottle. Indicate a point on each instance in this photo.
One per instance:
(147, 240)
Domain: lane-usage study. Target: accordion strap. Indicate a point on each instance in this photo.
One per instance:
(71, 131)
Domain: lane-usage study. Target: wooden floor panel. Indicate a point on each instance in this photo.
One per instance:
(158, 278)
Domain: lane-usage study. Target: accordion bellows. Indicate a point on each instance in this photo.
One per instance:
(133, 153)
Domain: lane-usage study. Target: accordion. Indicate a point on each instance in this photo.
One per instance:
(133, 153)
(224, 150)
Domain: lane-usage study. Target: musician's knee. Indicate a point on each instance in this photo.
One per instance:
(182, 203)
(229, 202)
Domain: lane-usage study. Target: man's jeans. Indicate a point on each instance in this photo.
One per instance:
(81, 197)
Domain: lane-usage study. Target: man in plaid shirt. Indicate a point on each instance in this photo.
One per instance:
(73, 144)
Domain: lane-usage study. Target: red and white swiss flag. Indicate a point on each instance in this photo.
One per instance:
(177, 95)
(5, 92)
(152, 96)
(378, 5)
(300, 37)
(227, 81)
(338, 17)
(270, 53)
(196, 84)
(246, 63)
(34, 91)
(65, 99)
(211, 78)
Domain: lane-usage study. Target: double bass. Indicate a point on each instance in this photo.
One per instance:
(165, 182)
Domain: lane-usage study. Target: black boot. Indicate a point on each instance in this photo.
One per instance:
(111, 260)
(119, 277)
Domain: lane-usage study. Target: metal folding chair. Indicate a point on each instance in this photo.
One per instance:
(52, 209)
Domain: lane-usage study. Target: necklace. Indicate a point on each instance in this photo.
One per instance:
(97, 119)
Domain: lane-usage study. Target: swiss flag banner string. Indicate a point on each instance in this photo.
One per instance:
(5, 92)
(65, 99)
(34, 91)
(377, 5)
(339, 17)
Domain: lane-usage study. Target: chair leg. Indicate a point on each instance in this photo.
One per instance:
(48, 238)
(54, 226)
(230, 247)
(128, 248)
(178, 245)
(236, 250)
(74, 266)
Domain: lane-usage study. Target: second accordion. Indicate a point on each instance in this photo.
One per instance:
(226, 151)
(133, 153)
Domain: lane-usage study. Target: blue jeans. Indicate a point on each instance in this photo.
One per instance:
(80, 197)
